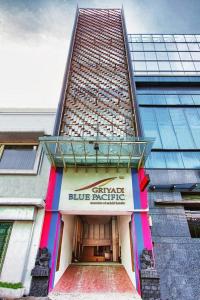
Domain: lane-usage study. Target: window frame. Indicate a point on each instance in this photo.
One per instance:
(34, 171)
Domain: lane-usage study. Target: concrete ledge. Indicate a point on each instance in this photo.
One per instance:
(38, 202)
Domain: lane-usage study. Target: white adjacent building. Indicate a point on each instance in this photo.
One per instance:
(24, 172)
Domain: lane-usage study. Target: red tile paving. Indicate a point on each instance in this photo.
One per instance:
(92, 279)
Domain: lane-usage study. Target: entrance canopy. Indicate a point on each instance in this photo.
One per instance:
(96, 152)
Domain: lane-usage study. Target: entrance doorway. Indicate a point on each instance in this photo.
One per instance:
(96, 239)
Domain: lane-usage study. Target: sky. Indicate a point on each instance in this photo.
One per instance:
(35, 36)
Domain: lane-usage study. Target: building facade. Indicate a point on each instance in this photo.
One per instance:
(24, 173)
(126, 137)
(96, 200)
(166, 74)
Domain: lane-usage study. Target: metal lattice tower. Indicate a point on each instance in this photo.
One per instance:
(98, 100)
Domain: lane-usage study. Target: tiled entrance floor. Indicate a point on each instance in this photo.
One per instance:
(93, 279)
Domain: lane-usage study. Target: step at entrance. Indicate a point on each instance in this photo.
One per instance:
(92, 280)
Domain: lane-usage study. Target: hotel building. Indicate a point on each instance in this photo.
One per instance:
(123, 164)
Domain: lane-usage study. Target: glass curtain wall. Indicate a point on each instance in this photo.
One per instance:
(165, 54)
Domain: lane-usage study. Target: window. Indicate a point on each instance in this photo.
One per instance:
(176, 65)
(137, 46)
(162, 55)
(196, 99)
(185, 55)
(157, 38)
(179, 38)
(18, 157)
(148, 46)
(188, 66)
(190, 38)
(138, 55)
(166, 130)
(193, 119)
(172, 99)
(140, 66)
(160, 47)
(182, 47)
(181, 128)
(173, 55)
(197, 65)
(150, 126)
(156, 160)
(19, 152)
(193, 219)
(186, 99)
(158, 99)
(152, 65)
(195, 55)
(168, 38)
(5, 231)
(171, 47)
(150, 55)
(164, 66)
(193, 47)
(174, 160)
(144, 99)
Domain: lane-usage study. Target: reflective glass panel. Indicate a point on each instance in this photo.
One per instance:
(190, 38)
(146, 38)
(136, 38)
(138, 55)
(158, 99)
(144, 99)
(157, 38)
(156, 160)
(190, 160)
(195, 55)
(188, 65)
(193, 119)
(152, 65)
(160, 47)
(196, 99)
(179, 37)
(198, 37)
(162, 55)
(197, 65)
(193, 47)
(168, 38)
(148, 46)
(150, 55)
(176, 66)
(165, 126)
(140, 66)
(149, 125)
(173, 56)
(172, 99)
(182, 47)
(171, 46)
(137, 46)
(186, 99)
(181, 128)
(185, 55)
(164, 66)
(174, 160)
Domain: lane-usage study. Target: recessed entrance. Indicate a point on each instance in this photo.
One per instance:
(96, 239)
